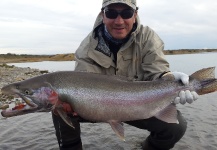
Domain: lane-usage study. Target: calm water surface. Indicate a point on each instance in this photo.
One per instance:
(187, 63)
(48, 65)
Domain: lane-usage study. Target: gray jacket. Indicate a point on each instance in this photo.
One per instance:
(141, 58)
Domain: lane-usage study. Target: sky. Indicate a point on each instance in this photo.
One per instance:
(59, 26)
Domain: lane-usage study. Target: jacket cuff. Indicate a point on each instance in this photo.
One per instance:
(162, 74)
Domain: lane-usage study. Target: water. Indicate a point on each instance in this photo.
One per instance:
(187, 63)
(35, 131)
(51, 66)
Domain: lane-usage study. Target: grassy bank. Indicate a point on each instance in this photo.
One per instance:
(188, 51)
(14, 58)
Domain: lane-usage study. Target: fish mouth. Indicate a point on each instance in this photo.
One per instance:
(23, 108)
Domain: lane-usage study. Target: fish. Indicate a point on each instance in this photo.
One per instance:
(104, 98)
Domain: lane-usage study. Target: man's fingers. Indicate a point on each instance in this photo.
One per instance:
(189, 97)
(195, 95)
(182, 97)
(181, 76)
(177, 100)
(186, 96)
(185, 79)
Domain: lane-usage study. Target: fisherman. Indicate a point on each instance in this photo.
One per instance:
(120, 45)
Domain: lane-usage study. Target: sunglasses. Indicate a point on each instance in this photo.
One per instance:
(113, 14)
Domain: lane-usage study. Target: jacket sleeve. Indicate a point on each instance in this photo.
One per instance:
(83, 62)
(154, 63)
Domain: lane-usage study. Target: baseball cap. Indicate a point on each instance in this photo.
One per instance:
(131, 3)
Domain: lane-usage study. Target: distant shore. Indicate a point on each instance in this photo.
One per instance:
(188, 51)
(16, 58)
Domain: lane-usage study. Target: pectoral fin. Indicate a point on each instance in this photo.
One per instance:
(168, 114)
(118, 128)
(64, 116)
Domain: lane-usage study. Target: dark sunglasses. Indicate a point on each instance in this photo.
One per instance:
(113, 14)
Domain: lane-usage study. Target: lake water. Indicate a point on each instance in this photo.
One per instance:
(187, 63)
(51, 66)
(36, 131)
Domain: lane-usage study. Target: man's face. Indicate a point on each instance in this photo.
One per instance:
(119, 28)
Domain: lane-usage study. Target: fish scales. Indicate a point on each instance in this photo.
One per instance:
(104, 98)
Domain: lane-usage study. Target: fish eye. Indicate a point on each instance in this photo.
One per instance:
(27, 92)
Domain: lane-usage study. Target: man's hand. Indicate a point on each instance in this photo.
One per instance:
(184, 96)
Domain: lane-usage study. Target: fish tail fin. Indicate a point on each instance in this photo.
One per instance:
(207, 79)
(208, 86)
(206, 73)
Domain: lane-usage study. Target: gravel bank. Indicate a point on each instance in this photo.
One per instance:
(10, 74)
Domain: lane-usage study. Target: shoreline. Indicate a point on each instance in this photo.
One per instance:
(11, 74)
(22, 58)
(15, 58)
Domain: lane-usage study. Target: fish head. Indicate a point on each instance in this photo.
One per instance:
(38, 96)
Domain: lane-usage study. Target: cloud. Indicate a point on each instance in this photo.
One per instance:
(37, 24)
(182, 23)
(58, 26)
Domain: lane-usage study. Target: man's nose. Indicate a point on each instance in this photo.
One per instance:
(119, 20)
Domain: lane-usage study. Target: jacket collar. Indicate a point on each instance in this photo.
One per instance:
(101, 59)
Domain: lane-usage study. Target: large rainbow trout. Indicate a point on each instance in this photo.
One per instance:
(103, 98)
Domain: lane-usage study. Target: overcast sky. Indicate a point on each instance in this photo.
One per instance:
(58, 26)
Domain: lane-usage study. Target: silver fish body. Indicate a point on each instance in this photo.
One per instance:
(110, 99)
(100, 98)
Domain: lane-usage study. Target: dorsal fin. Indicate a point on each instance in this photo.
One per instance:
(206, 73)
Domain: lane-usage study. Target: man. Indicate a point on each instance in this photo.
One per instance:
(120, 45)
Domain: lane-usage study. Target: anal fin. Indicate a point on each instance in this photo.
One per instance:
(117, 128)
(168, 114)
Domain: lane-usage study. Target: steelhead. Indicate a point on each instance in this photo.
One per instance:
(103, 98)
